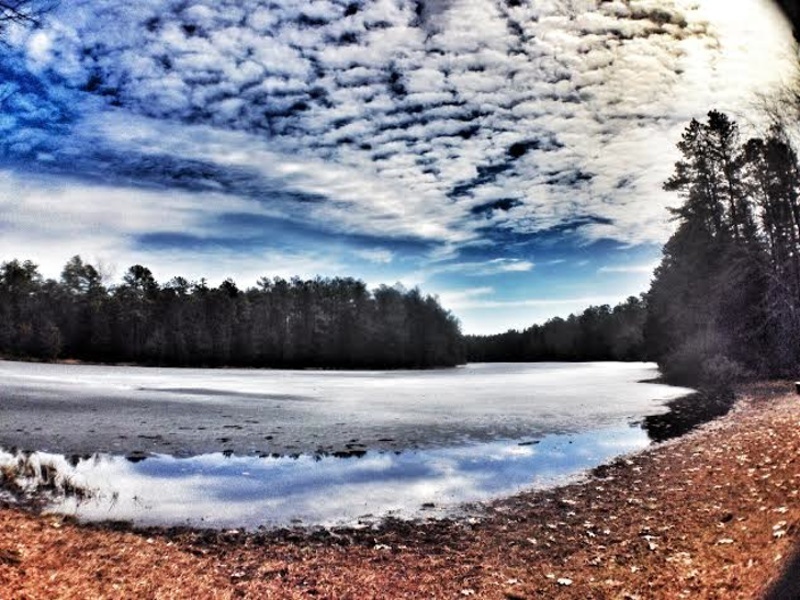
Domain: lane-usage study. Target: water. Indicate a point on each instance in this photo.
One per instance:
(243, 448)
(214, 490)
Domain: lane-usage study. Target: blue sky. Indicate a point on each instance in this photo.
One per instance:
(506, 155)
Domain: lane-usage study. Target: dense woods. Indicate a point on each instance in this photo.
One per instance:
(725, 300)
(599, 333)
(330, 323)
(297, 323)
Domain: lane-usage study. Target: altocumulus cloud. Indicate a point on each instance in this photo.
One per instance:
(449, 124)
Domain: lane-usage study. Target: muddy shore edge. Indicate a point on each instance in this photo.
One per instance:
(712, 514)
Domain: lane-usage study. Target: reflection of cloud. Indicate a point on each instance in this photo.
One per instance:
(216, 491)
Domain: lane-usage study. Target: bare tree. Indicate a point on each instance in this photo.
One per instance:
(23, 12)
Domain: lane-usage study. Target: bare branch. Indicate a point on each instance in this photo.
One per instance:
(17, 11)
(23, 12)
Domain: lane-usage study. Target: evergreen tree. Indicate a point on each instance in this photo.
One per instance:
(599, 333)
(298, 323)
(723, 304)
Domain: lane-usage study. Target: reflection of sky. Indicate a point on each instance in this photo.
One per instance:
(212, 490)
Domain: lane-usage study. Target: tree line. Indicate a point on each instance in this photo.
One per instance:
(331, 323)
(599, 333)
(725, 300)
(327, 323)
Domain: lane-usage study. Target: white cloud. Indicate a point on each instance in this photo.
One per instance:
(535, 303)
(496, 266)
(400, 126)
(380, 256)
(507, 265)
(48, 221)
(647, 268)
(455, 299)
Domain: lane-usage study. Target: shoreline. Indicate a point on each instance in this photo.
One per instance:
(225, 367)
(714, 513)
(232, 367)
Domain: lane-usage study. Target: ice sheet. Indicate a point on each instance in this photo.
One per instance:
(184, 412)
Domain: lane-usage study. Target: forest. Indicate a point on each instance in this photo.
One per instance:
(599, 333)
(328, 323)
(331, 323)
(723, 303)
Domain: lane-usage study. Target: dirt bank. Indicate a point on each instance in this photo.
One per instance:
(714, 514)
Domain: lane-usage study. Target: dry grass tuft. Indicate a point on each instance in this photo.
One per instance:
(34, 480)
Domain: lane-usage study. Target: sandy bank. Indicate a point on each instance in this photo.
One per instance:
(714, 514)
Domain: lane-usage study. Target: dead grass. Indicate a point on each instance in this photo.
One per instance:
(33, 480)
(715, 514)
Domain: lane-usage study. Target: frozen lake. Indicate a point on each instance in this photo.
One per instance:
(250, 448)
(86, 409)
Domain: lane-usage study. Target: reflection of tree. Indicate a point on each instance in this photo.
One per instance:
(687, 413)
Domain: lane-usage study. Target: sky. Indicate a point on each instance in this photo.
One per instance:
(505, 155)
